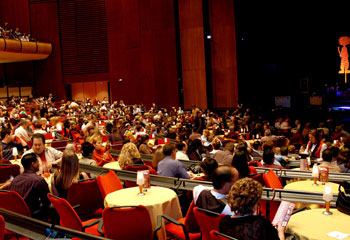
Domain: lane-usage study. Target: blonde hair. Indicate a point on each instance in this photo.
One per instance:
(157, 157)
(128, 152)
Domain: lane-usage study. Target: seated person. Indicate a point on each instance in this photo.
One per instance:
(327, 162)
(269, 160)
(127, 154)
(215, 199)
(143, 145)
(240, 162)
(224, 157)
(68, 174)
(157, 157)
(9, 142)
(169, 166)
(243, 200)
(208, 167)
(32, 187)
(101, 154)
(181, 151)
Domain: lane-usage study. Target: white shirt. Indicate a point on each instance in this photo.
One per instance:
(181, 155)
(21, 132)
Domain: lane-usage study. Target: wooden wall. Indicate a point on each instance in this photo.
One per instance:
(83, 90)
(141, 50)
(192, 53)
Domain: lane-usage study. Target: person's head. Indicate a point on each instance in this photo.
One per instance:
(157, 157)
(240, 162)
(24, 123)
(314, 136)
(268, 156)
(268, 145)
(38, 143)
(181, 146)
(256, 145)
(208, 166)
(30, 162)
(128, 152)
(267, 132)
(327, 155)
(216, 143)
(223, 177)
(169, 150)
(6, 135)
(70, 147)
(69, 169)
(230, 146)
(244, 196)
(97, 142)
(87, 149)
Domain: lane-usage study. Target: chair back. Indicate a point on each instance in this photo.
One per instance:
(215, 235)
(12, 201)
(207, 221)
(2, 227)
(108, 183)
(68, 217)
(87, 194)
(48, 136)
(8, 170)
(191, 223)
(59, 143)
(271, 180)
(122, 217)
(252, 170)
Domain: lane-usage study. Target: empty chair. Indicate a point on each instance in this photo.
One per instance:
(215, 235)
(12, 201)
(8, 170)
(87, 195)
(129, 222)
(207, 221)
(269, 208)
(70, 219)
(184, 228)
(108, 183)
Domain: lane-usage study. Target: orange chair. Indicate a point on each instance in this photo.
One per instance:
(215, 235)
(87, 195)
(108, 183)
(128, 222)
(2, 227)
(269, 208)
(70, 219)
(207, 221)
(8, 170)
(183, 228)
(12, 201)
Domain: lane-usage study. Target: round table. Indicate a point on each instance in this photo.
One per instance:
(112, 165)
(308, 187)
(157, 200)
(312, 224)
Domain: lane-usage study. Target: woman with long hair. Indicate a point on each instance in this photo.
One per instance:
(127, 154)
(68, 174)
(240, 162)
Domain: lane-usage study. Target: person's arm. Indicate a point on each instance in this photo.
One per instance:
(23, 143)
(182, 171)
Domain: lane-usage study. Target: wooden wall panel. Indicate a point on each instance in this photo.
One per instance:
(83, 90)
(224, 60)
(142, 52)
(192, 53)
(48, 73)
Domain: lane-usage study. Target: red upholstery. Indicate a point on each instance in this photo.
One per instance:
(271, 181)
(190, 223)
(117, 146)
(48, 136)
(135, 169)
(87, 194)
(162, 141)
(215, 236)
(132, 223)
(108, 183)
(105, 138)
(252, 170)
(2, 227)
(207, 222)
(8, 170)
(68, 217)
(59, 143)
(12, 201)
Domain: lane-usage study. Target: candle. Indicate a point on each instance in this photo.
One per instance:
(53, 134)
(241, 130)
(315, 174)
(140, 180)
(14, 152)
(257, 135)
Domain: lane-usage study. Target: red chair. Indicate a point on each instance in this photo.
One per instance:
(2, 227)
(87, 195)
(12, 201)
(59, 143)
(207, 221)
(129, 222)
(8, 170)
(163, 141)
(135, 169)
(48, 136)
(252, 170)
(108, 183)
(105, 138)
(215, 235)
(70, 219)
(184, 228)
(269, 208)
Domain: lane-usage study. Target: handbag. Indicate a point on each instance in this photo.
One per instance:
(343, 200)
